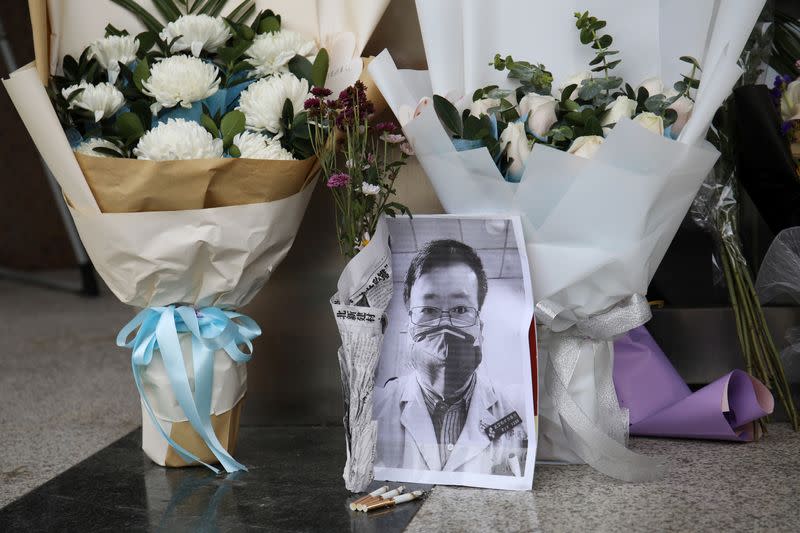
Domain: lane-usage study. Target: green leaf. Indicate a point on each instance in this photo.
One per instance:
(586, 36)
(448, 114)
(168, 9)
(146, 41)
(129, 127)
(141, 73)
(301, 67)
(605, 41)
(71, 71)
(240, 10)
(149, 21)
(269, 25)
(111, 30)
(692, 61)
(107, 151)
(233, 123)
(208, 123)
(287, 114)
(613, 64)
(234, 151)
(74, 94)
(319, 70)
(212, 7)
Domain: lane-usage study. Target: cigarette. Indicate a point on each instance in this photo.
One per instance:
(362, 506)
(392, 493)
(403, 498)
(377, 492)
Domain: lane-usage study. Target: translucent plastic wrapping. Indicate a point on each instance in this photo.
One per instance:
(779, 283)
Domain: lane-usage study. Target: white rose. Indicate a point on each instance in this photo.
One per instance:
(683, 106)
(575, 79)
(586, 146)
(515, 143)
(654, 86)
(650, 121)
(541, 111)
(790, 102)
(622, 107)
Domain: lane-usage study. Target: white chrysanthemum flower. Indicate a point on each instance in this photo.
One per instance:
(262, 102)
(253, 145)
(196, 33)
(112, 51)
(180, 80)
(102, 100)
(369, 189)
(178, 139)
(87, 147)
(270, 53)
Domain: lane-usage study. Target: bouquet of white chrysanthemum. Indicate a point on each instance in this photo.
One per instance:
(599, 208)
(186, 162)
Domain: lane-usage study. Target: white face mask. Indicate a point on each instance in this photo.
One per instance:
(454, 351)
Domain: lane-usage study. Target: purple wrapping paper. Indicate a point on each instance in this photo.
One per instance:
(660, 404)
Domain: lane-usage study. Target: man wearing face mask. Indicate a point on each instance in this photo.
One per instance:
(447, 415)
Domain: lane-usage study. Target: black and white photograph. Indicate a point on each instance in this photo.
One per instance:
(453, 390)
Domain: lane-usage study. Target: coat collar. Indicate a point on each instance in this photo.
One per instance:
(473, 440)
(417, 422)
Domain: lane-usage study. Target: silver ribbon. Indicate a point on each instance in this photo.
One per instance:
(601, 444)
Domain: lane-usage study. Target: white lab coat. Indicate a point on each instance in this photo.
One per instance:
(406, 438)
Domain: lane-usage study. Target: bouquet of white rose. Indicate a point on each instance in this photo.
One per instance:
(599, 205)
(186, 162)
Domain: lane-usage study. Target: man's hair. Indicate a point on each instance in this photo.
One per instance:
(442, 253)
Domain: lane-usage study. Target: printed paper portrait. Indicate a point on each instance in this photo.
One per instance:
(453, 389)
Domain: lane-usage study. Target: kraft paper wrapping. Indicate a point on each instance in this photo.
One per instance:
(131, 186)
(226, 427)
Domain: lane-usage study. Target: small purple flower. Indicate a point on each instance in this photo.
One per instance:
(320, 92)
(311, 103)
(388, 127)
(338, 180)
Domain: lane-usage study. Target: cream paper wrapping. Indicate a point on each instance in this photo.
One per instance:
(218, 256)
(595, 230)
(341, 26)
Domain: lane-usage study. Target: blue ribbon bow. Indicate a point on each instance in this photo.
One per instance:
(212, 329)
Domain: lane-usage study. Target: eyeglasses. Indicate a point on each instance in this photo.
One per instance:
(459, 316)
